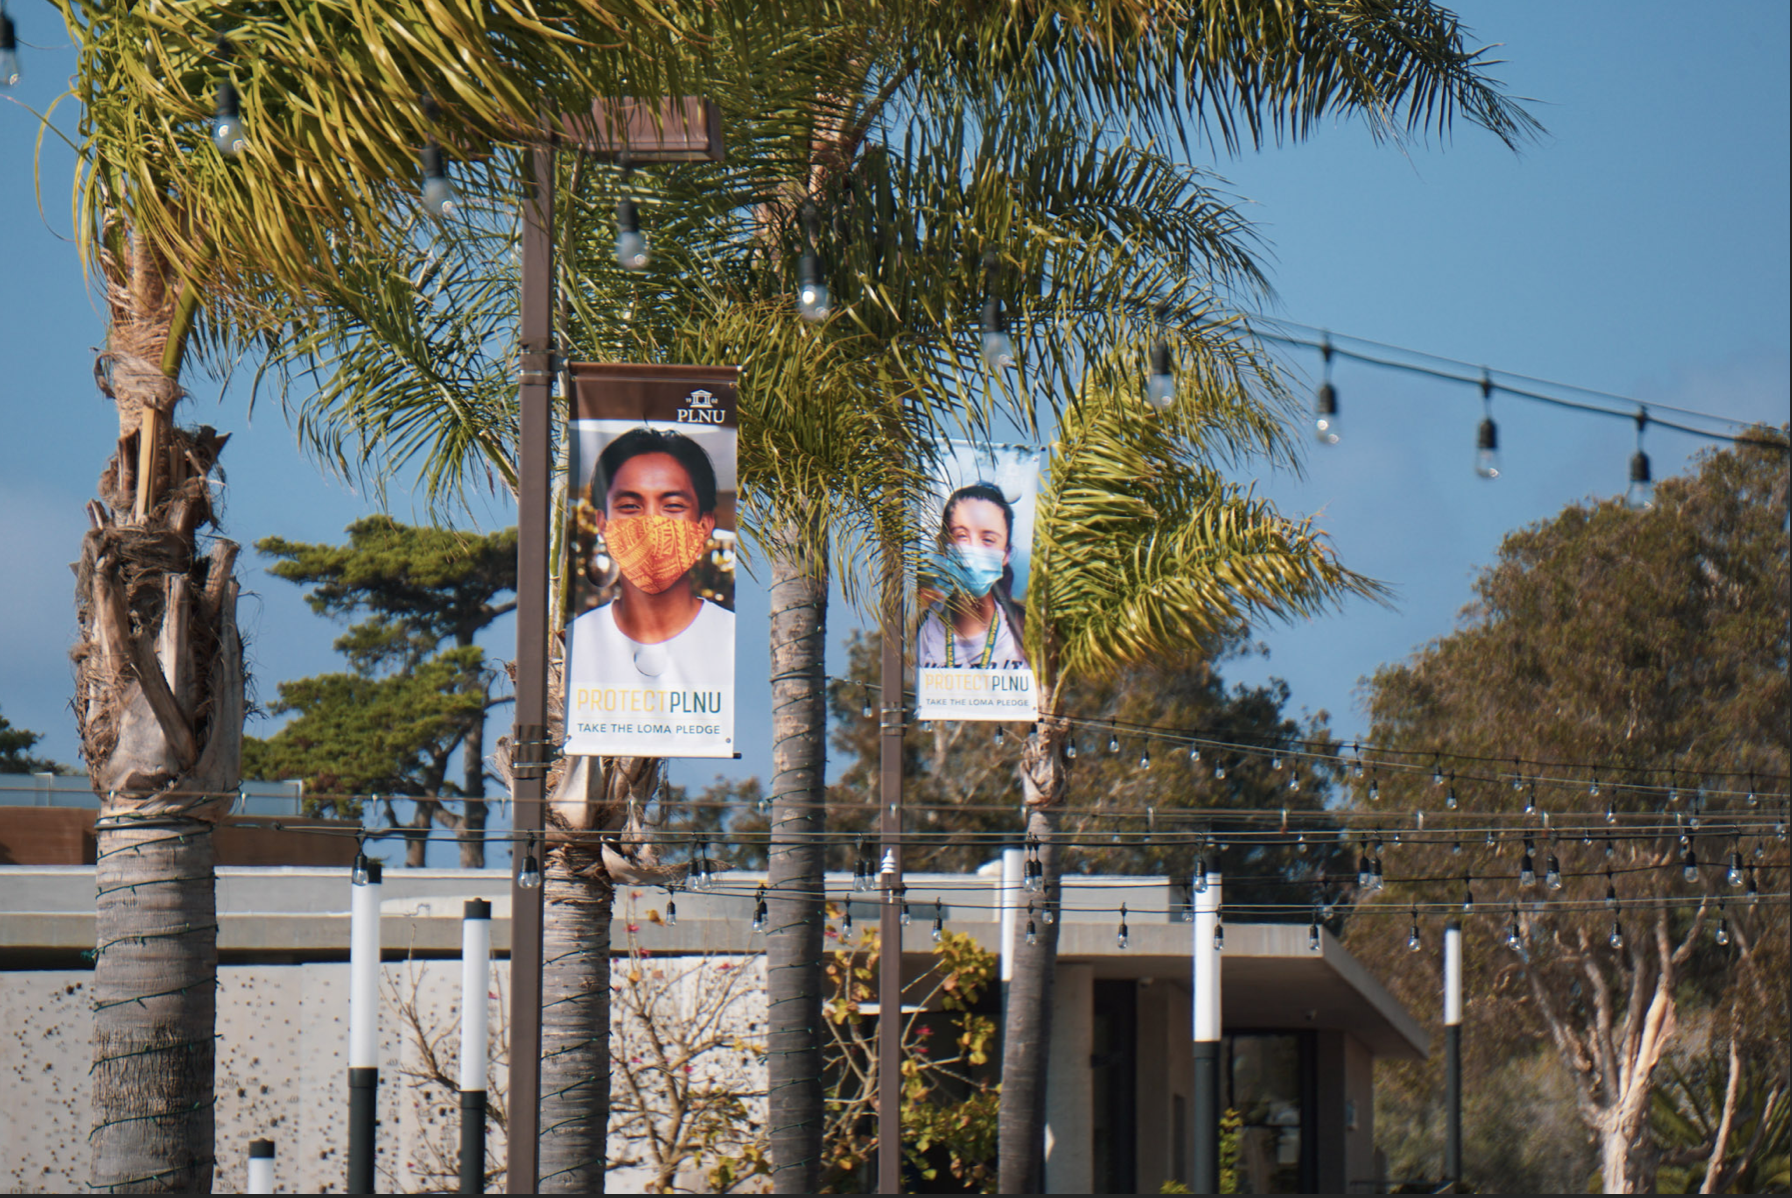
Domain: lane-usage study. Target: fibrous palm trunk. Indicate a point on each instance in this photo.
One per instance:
(594, 843)
(799, 594)
(1027, 1021)
(159, 704)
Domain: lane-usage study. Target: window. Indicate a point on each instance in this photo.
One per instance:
(1269, 1081)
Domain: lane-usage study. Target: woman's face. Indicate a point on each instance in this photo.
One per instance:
(978, 524)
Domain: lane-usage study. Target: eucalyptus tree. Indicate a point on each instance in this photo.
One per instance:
(232, 157)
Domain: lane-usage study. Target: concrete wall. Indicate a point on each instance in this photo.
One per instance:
(281, 1070)
(1344, 1124)
(1166, 1072)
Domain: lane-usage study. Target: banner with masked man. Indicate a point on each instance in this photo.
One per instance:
(651, 537)
(970, 633)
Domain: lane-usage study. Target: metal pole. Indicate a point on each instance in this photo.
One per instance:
(889, 982)
(363, 1023)
(1453, 1052)
(261, 1167)
(475, 986)
(529, 736)
(1206, 1179)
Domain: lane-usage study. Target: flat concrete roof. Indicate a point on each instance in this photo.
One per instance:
(1271, 978)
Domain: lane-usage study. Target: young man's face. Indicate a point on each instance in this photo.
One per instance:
(978, 524)
(654, 484)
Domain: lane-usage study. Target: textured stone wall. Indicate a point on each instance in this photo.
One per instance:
(282, 1073)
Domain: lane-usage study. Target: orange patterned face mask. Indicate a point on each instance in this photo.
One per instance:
(655, 551)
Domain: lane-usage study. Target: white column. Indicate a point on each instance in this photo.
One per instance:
(1012, 899)
(1207, 961)
(475, 985)
(261, 1167)
(1453, 974)
(364, 971)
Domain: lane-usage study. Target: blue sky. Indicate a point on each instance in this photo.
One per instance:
(1640, 247)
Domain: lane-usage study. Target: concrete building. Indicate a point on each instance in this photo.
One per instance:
(1303, 1027)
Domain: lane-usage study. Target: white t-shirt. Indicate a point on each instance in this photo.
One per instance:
(967, 654)
(674, 698)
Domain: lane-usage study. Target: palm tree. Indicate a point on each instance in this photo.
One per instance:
(195, 235)
(934, 140)
(1141, 550)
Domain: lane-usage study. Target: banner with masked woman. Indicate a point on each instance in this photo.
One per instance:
(651, 537)
(970, 633)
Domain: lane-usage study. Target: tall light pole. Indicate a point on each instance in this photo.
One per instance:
(672, 131)
(889, 974)
(475, 986)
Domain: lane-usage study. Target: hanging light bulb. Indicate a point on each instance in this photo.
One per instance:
(438, 193)
(1121, 938)
(1200, 882)
(1032, 932)
(1160, 384)
(1376, 882)
(1616, 939)
(227, 124)
(865, 712)
(529, 875)
(1734, 876)
(846, 921)
(631, 247)
(9, 52)
(1722, 934)
(812, 299)
(903, 892)
(1552, 873)
(1412, 937)
(1328, 908)
(1468, 896)
(759, 911)
(1219, 771)
(1275, 762)
(1753, 893)
(1219, 933)
(1527, 870)
(998, 347)
(1689, 869)
(1753, 799)
(1070, 749)
(1530, 799)
(360, 874)
(1514, 936)
(1456, 848)
(1641, 494)
(1145, 759)
(1113, 743)
(1357, 765)
(1450, 794)
(1313, 935)
(1374, 789)
(1047, 911)
(1293, 781)
(1001, 737)
(671, 910)
(1487, 437)
(939, 923)
(1194, 755)
(1611, 812)
(1365, 878)
(1325, 403)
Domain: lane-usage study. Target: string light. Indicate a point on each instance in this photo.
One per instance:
(1450, 795)
(1145, 759)
(1219, 771)
(1552, 874)
(1032, 932)
(902, 893)
(438, 193)
(1641, 494)
(996, 345)
(1001, 737)
(1734, 876)
(1113, 743)
(812, 299)
(1611, 891)
(1514, 937)
(1690, 868)
(529, 875)
(631, 247)
(759, 911)
(1412, 937)
(9, 52)
(1160, 384)
(1219, 933)
(1325, 406)
(1200, 883)
(1468, 896)
(1194, 755)
(1487, 437)
(1070, 749)
(1121, 938)
(1275, 763)
(939, 922)
(1721, 933)
(1616, 939)
(846, 919)
(1527, 871)
(671, 909)
(1313, 934)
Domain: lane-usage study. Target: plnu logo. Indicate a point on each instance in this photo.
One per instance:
(702, 407)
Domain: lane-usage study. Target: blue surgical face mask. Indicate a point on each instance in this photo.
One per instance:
(970, 570)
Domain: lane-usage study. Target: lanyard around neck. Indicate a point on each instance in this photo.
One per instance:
(989, 640)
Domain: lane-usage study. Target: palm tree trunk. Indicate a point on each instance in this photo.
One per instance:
(575, 1024)
(154, 996)
(1027, 1021)
(159, 705)
(799, 596)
